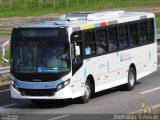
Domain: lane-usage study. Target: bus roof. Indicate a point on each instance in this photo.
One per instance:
(83, 21)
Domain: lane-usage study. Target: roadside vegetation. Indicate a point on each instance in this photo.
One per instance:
(2, 62)
(158, 22)
(9, 8)
(5, 31)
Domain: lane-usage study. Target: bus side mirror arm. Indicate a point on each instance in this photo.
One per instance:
(4, 51)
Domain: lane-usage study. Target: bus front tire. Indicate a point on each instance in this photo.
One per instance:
(87, 93)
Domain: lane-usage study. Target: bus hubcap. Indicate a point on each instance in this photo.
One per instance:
(86, 91)
(131, 79)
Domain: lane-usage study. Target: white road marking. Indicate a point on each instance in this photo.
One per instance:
(158, 54)
(148, 91)
(4, 90)
(158, 65)
(59, 117)
(8, 105)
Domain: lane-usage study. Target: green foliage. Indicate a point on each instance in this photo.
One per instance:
(158, 23)
(2, 62)
(39, 7)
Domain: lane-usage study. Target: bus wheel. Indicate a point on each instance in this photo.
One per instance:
(87, 93)
(131, 79)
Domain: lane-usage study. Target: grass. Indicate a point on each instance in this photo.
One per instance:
(5, 31)
(36, 8)
(40, 7)
(5, 79)
(158, 22)
(158, 42)
(2, 62)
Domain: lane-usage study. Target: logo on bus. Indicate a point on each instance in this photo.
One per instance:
(125, 57)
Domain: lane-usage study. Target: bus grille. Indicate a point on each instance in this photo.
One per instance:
(28, 92)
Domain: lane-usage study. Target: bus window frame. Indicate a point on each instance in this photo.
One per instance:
(106, 40)
(116, 25)
(145, 20)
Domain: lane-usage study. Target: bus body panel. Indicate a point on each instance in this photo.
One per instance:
(113, 71)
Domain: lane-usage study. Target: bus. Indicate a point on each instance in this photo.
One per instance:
(81, 54)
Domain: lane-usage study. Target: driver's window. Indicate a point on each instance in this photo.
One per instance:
(77, 41)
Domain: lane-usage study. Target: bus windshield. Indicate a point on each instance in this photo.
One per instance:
(40, 56)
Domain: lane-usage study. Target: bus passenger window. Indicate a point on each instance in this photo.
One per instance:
(133, 34)
(101, 42)
(151, 30)
(112, 39)
(89, 43)
(143, 32)
(123, 37)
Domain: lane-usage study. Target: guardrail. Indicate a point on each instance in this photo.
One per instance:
(4, 70)
(158, 36)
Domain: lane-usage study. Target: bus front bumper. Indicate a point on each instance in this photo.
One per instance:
(64, 93)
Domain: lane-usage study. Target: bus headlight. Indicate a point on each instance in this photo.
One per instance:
(66, 83)
(62, 85)
(14, 85)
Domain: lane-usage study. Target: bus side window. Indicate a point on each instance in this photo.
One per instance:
(101, 42)
(123, 37)
(143, 32)
(151, 30)
(112, 39)
(89, 43)
(133, 34)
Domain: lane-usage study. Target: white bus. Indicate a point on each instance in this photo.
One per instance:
(81, 54)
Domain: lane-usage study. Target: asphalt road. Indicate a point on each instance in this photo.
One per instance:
(102, 106)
